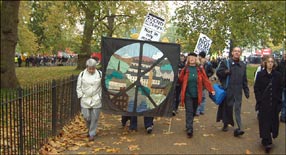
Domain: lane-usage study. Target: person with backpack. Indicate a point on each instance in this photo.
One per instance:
(193, 78)
(89, 92)
(209, 72)
(235, 71)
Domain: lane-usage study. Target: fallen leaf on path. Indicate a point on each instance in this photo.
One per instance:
(178, 119)
(80, 143)
(82, 153)
(117, 143)
(98, 149)
(247, 152)
(113, 150)
(73, 148)
(133, 147)
(246, 112)
(180, 144)
(214, 149)
(206, 135)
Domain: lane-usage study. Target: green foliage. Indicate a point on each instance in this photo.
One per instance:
(245, 22)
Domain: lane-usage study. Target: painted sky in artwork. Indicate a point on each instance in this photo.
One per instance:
(133, 51)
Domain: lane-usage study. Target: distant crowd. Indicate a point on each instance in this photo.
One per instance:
(29, 61)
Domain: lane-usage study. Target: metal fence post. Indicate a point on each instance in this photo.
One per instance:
(72, 96)
(21, 125)
(54, 108)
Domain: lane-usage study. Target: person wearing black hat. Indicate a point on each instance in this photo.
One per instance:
(193, 79)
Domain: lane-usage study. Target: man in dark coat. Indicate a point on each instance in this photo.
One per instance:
(236, 72)
(268, 94)
(282, 69)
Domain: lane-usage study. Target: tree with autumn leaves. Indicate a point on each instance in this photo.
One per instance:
(49, 26)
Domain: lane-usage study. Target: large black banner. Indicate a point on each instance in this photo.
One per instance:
(139, 77)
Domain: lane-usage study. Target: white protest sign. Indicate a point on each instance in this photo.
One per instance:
(203, 44)
(152, 28)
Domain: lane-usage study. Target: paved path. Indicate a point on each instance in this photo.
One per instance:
(208, 137)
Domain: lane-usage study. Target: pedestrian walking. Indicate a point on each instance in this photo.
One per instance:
(89, 92)
(209, 72)
(178, 85)
(193, 79)
(237, 82)
(268, 94)
(282, 70)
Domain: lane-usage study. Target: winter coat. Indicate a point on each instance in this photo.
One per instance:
(237, 83)
(282, 69)
(89, 89)
(269, 103)
(201, 81)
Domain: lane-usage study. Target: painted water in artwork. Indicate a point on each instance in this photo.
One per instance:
(150, 80)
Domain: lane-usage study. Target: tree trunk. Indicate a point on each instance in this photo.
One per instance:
(86, 41)
(9, 38)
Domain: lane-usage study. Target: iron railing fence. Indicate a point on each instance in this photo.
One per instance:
(30, 115)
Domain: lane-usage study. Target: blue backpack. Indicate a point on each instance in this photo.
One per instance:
(220, 92)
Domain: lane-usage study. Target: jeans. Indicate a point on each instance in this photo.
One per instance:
(177, 98)
(148, 121)
(91, 118)
(201, 107)
(283, 110)
(191, 105)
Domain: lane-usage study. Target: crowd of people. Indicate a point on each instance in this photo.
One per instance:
(193, 85)
(29, 61)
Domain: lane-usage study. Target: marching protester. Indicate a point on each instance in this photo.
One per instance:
(209, 72)
(268, 94)
(282, 69)
(89, 91)
(259, 68)
(193, 79)
(236, 72)
(178, 85)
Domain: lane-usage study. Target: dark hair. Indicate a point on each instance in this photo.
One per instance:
(202, 54)
(192, 54)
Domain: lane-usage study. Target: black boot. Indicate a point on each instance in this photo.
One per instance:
(225, 127)
(237, 132)
(267, 148)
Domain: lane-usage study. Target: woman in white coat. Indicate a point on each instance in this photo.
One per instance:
(89, 91)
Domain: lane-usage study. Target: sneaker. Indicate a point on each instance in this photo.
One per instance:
(225, 128)
(202, 113)
(238, 132)
(91, 138)
(149, 129)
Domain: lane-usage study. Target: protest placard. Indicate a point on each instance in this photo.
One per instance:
(203, 44)
(152, 28)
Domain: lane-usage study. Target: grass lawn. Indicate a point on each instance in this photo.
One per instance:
(35, 75)
(250, 73)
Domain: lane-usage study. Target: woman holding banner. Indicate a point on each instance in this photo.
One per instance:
(193, 78)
